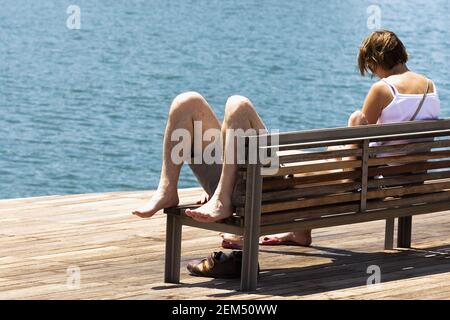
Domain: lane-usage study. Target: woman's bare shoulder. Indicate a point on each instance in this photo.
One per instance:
(411, 83)
(380, 89)
(378, 98)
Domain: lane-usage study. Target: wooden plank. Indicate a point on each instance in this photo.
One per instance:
(409, 158)
(363, 132)
(310, 191)
(313, 178)
(403, 191)
(349, 141)
(309, 156)
(409, 200)
(329, 210)
(291, 215)
(309, 202)
(180, 211)
(315, 167)
(212, 226)
(409, 147)
(408, 179)
(354, 218)
(409, 168)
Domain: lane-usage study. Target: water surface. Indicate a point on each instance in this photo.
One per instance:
(84, 110)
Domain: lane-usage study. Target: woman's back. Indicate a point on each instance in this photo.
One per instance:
(406, 92)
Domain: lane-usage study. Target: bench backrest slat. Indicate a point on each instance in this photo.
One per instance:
(361, 132)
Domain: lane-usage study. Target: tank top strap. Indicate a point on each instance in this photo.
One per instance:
(434, 87)
(391, 86)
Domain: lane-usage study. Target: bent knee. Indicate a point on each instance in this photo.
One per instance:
(357, 118)
(188, 99)
(237, 103)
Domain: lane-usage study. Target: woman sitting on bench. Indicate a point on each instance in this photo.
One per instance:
(395, 98)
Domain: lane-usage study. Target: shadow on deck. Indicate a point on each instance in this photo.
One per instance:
(348, 269)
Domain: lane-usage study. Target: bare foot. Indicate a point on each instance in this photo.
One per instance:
(299, 238)
(160, 200)
(214, 210)
(231, 241)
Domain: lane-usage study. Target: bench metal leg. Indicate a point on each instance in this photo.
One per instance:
(249, 273)
(252, 227)
(389, 234)
(173, 249)
(404, 232)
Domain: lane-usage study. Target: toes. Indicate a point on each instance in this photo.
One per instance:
(208, 219)
(139, 214)
(193, 214)
(201, 217)
(143, 213)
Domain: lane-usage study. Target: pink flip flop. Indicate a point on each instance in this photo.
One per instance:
(267, 241)
(231, 245)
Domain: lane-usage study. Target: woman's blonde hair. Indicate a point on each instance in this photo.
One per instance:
(381, 48)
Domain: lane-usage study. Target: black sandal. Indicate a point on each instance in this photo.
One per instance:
(218, 265)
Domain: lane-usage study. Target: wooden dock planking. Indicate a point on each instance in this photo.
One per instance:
(121, 256)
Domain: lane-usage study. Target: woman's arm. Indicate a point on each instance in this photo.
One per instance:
(378, 98)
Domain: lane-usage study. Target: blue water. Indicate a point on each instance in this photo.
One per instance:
(84, 110)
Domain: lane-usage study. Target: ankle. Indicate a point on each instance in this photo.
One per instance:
(167, 187)
(166, 193)
(222, 198)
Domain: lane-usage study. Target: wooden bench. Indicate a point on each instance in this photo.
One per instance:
(313, 190)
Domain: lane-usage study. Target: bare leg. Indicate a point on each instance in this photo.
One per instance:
(239, 114)
(184, 110)
(301, 238)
